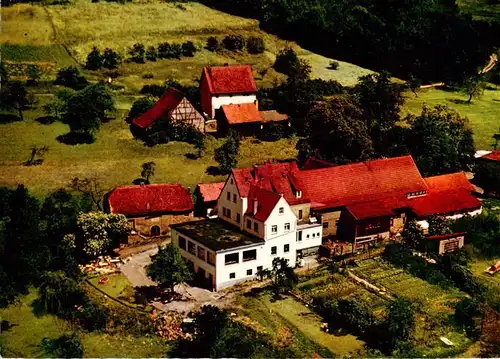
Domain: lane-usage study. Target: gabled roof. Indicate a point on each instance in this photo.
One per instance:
(275, 177)
(210, 191)
(167, 103)
(444, 202)
(313, 163)
(241, 113)
(266, 202)
(147, 199)
(360, 182)
(229, 79)
(447, 182)
(272, 116)
(370, 210)
(492, 156)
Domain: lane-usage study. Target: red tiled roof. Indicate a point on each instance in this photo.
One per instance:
(446, 236)
(313, 163)
(276, 177)
(241, 113)
(361, 182)
(210, 191)
(452, 181)
(272, 116)
(230, 79)
(168, 102)
(370, 210)
(146, 199)
(493, 156)
(266, 202)
(444, 202)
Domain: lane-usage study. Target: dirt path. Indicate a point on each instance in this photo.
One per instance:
(135, 271)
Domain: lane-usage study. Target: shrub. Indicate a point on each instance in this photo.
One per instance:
(188, 49)
(212, 44)
(154, 90)
(71, 77)
(137, 53)
(141, 105)
(95, 59)
(285, 61)
(111, 59)
(66, 346)
(151, 53)
(272, 131)
(255, 45)
(334, 65)
(149, 75)
(169, 51)
(34, 73)
(233, 43)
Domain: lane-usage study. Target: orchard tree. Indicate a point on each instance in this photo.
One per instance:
(151, 53)
(95, 59)
(148, 171)
(335, 131)
(14, 96)
(282, 276)
(91, 188)
(212, 44)
(413, 84)
(199, 143)
(87, 108)
(36, 151)
(440, 141)
(169, 268)
(137, 53)
(111, 59)
(226, 155)
(100, 231)
(57, 107)
(473, 87)
(255, 45)
(71, 77)
(188, 49)
(400, 321)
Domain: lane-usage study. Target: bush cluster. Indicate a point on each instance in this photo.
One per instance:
(253, 44)
(96, 60)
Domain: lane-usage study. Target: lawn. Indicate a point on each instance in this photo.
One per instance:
(483, 113)
(116, 285)
(23, 339)
(115, 158)
(288, 315)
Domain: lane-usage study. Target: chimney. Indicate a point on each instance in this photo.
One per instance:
(255, 203)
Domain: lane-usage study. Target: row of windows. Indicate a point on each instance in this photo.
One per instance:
(255, 225)
(200, 252)
(274, 249)
(415, 194)
(274, 228)
(228, 196)
(234, 258)
(249, 272)
(314, 235)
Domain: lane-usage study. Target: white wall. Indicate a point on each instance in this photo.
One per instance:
(275, 218)
(194, 258)
(217, 102)
(238, 207)
(314, 240)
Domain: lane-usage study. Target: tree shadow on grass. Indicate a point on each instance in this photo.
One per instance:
(191, 156)
(214, 171)
(8, 118)
(46, 120)
(75, 138)
(458, 101)
(38, 309)
(5, 325)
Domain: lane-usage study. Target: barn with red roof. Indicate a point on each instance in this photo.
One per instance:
(151, 209)
(226, 85)
(172, 106)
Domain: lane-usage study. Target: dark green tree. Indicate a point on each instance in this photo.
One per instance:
(473, 87)
(413, 84)
(169, 268)
(212, 44)
(439, 225)
(335, 131)
(57, 107)
(15, 97)
(400, 321)
(282, 276)
(380, 101)
(199, 144)
(468, 314)
(111, 59)
(355, 315)
(4, 76)
(413, 234)
(95, 59)
(188, 49)
(151, 53)
(255, 45)
(65, 346)
(137, 53)
(71, 77)
(440, 141)
(226, 155)
(233, 43)
(87, 108)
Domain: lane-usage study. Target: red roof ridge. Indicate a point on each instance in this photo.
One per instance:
(170, 99)
(230, 79)
(492, 156)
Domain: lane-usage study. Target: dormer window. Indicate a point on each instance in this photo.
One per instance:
(298, 194)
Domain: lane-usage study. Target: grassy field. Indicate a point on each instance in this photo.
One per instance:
(116, 285)
(23, 339)
(480, 9)
(115, 158)
(288, 315)
(483, 113)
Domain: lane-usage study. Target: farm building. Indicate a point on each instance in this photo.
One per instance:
(226, 85)
(172, 106)
(151, 209)
(206, 195)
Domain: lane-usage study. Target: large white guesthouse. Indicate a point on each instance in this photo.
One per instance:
(255, 225)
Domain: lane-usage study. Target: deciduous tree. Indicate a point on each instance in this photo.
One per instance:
(226, 155)
(137, 53)
(36, 151)
(95, 59)
(71, 77)
(400, 321)
(473, 87)
(14, 96)
(413, 234)
(169, 268)
(282, 276)
(439, 225)
(141, 105)
(90, 187)
(148, 170)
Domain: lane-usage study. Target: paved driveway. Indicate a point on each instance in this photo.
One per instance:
(135, 268)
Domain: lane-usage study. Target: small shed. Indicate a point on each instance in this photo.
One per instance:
(444, 243)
